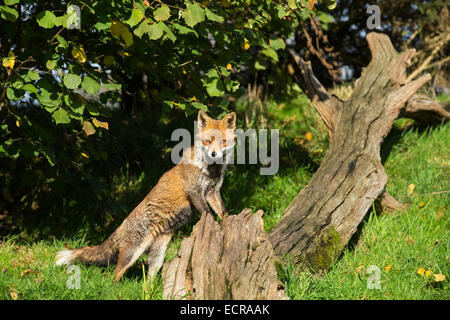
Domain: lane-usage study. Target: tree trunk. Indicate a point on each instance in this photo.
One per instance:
(231, 260)
(325, 214)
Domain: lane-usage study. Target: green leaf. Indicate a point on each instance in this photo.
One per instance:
(61, 116)
(194, 14)
(33, 75)
(30, 88)
(141, 29)
(168, 33)
(90, 85)
(292, 4)
(277, 44)
(162, 13)
(14, 94)
(51, 64)
(280, 11)
(182, 29)
(72, 81)
(8, 13)
(154, 31)
(136, 17)
(46, 19)
(200, 106)
(11, 2)
(270, 53)
(215, 88)
(213, 17)
(259, 66)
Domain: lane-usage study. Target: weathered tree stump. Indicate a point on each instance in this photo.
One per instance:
(325, 214)
(230, 260)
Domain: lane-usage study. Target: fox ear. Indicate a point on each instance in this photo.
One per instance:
(230, 121)
(202, 119)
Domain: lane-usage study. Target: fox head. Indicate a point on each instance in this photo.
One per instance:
(215, 137)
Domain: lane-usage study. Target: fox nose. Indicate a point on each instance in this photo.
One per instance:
(213, 154)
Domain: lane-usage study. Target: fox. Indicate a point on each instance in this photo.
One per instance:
(194, 182)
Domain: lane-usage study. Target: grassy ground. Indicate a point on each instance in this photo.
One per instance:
(397, 244)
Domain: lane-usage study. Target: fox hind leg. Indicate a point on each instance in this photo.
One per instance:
(128, 255)
(157, 252)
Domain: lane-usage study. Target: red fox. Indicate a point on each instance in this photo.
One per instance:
(195, 181)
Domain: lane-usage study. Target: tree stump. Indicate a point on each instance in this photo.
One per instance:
(325, 214)
(230, 260)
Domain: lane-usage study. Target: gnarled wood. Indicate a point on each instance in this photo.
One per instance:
(425, 110)
(231, 260)
(325, 214)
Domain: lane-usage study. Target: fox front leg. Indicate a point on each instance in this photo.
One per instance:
(199, 202)
(215, 201)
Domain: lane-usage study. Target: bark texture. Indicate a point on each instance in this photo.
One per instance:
(325, 214)
(230, 260)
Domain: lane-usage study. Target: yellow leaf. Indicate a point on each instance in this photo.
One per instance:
(79, 54)
(127, 36)
(108, 60)
(428, 273)
(229, 67)
(311, 4)
(387, 268)
(194, 98)
(14, 295)
(118, 30)
(439, 277)
(184, 72)
(308, 136)
(85, 155)
(421, 271)
(17, 123)
(421, 204)
(411, 188)
(9, 61)
(100, 124)
(246, 44)
(124, 53)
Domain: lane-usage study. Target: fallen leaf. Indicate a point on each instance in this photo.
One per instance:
(428, 273)
(387, 268)
(421, 204)
(411, 188)
(439, 277)
(308, 136)
(26, 271)
(421, 271)
(14, 295)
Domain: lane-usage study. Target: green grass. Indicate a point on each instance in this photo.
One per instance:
(415, 238)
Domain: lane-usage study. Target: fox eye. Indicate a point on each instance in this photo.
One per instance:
(224, 142)
(206, 142)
